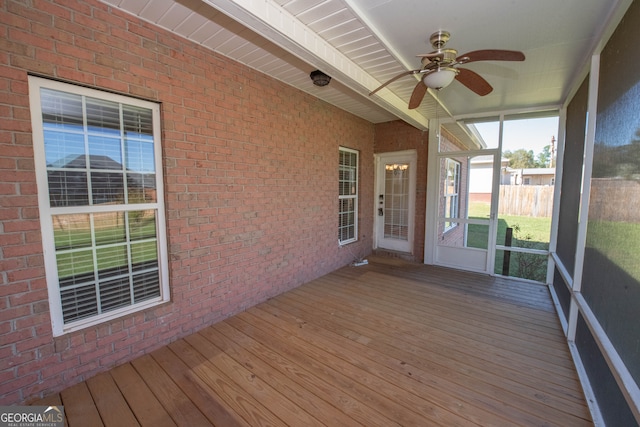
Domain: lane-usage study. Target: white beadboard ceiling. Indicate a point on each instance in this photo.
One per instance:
(363, 43)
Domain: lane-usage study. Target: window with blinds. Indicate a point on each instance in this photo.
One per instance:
(100, 197)
(347, 196)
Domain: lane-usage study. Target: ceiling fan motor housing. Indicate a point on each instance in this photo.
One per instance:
(439, 39)
(447, 56)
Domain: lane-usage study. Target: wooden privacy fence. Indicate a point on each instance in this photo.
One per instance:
(615, 200)
(526, 200)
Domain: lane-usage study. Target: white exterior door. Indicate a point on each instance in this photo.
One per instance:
(466, 217)
(395, 200)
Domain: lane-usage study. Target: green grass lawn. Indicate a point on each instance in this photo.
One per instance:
(528, 232)
(74, 254)
(530, 228)
(618, 241)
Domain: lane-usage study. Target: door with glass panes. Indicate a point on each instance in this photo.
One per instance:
(395, 200)
(466, 210)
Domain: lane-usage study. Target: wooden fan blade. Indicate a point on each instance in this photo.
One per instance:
(417, 95)
(474, 81)
(406, 73)
(491, 55)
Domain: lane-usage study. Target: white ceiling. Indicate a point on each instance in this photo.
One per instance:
(363, 43)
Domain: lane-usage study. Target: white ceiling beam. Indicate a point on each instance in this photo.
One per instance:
(277, 25)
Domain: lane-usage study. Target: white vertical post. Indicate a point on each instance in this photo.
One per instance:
(431, 210)
(592, 110)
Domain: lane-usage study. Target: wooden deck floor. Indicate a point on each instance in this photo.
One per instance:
(387, 344)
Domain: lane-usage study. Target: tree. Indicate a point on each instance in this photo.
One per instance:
(544, 158)
(520, 158)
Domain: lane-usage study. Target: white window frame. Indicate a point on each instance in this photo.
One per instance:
(47, 212)
(452, 200)
(352, 196)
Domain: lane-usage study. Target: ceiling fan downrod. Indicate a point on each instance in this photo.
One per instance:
(439, 39)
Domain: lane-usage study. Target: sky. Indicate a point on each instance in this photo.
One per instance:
(531, 134)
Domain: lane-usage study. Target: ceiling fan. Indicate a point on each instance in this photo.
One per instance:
(440, 68)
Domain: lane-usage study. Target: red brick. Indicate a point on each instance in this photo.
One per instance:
(12, 288)
(12, 313)
(21, 250)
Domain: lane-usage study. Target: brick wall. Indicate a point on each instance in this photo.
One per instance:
(399, 136)
(250, 179)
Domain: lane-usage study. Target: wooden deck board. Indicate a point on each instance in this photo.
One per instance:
(83, 411)
(399, 345)
(389, 343)
(316, 386)
(147, 409)
(397, 373)
(432, 323)
(283, 376)
(109, 401)
(177, 405)
(201, 395)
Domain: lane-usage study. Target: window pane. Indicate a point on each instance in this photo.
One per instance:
(115, 293)
(64, 149)
(67, 188)
(144, 256)
(78, 303)
(139, 154)
(75, 267)
(478, 236)
(71, 231)
(137, 121)
(103, 116)
(142, 224)
(141, 188)
(347, 181)
(396, 201)
(112, 261)
(347, 220)
(107, 188)
(109, 227)
(61, 109)
(146, 286)
(105, 152)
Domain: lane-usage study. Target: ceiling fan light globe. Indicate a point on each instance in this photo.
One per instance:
(440, 78)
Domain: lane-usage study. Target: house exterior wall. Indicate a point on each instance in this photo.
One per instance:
(542, 176)
(251, 186)
(400, 136)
